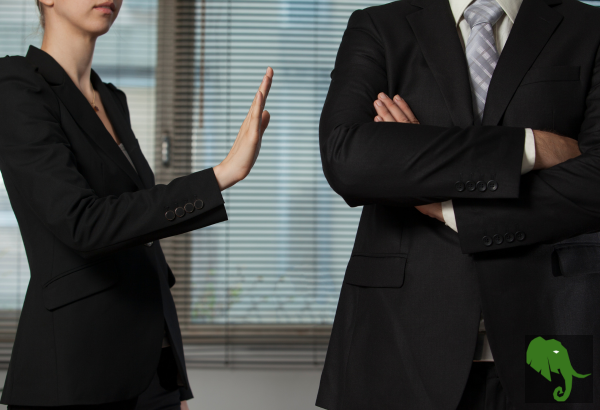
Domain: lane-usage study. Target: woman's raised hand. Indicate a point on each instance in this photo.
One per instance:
(244, 152)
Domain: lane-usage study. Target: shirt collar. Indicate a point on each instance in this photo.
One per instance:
(510, 7)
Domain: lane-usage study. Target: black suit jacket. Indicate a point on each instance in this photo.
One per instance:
(94, 315)
(406, 326)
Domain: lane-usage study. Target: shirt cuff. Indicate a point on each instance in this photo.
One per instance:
(528, 152)
(448, 214)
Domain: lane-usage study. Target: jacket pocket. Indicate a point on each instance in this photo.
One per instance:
(376, 271)
(557, 73)
(80, 283)
(576, 259)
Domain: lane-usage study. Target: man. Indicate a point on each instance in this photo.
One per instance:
(477, 86)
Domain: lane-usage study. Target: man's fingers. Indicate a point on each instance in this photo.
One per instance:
(394, 109)
(383, 112)
(406, 109)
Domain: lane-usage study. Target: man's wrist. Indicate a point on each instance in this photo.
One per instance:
(529, 152)
(448, 215)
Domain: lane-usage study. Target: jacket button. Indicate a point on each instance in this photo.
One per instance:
(481, 186)
(498, 239)
(492, 185)
(189, 208)
(199, 204)
(459, 186)
(470, 186)
(149, 244)
(487, 241)
(510, 238)
(170, 215)
(180, 212)
(520, 236)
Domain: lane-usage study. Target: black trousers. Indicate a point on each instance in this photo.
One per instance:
(162, 394)
(484, 390)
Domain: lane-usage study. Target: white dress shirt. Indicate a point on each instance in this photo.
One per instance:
(501, 32)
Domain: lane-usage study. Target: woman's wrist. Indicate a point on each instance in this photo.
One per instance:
(223, 178)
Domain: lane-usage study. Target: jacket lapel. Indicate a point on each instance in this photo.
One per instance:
(437, 35)
(122, 127)
(81, 110)
(535, 24)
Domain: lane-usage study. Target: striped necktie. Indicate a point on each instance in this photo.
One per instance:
(482, 54)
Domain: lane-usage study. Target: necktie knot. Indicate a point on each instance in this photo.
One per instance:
(483, 12)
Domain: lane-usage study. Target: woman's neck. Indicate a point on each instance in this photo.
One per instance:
(74, 52)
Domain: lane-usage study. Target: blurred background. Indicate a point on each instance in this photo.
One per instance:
(256, 295)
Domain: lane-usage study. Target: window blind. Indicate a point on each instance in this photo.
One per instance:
(126, 56)
(262, 288)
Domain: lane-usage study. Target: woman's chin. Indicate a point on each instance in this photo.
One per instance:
(98, 30)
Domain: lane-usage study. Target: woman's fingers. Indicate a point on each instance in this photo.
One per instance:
(394, 109)
(244, 152)
(258, 105)
(265, 86)
(266, 119)
(406, 109)
(256, 116)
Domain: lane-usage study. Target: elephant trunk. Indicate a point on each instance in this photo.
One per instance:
(568, 386)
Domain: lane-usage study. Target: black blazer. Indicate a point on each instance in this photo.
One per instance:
(94, 315)
(406, 327)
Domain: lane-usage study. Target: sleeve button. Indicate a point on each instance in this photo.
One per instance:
(189, 208)
(492, 185)
(481, 186)
(460, 187)
(498, 239)
(487, 241)
(520, 236)
(470, 186)
(509, 237)
(180, 212)
(199, 204)
(170, 215)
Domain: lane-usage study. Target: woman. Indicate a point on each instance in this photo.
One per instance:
(98, 327)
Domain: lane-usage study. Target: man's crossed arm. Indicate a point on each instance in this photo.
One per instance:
(408, 165)
(550, 149)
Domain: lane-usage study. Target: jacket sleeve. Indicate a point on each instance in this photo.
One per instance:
(402, 164)
(39, 167)
(554, 204)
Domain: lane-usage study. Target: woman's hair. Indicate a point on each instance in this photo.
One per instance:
(41, 10)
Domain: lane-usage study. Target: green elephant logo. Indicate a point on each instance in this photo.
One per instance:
(546, 356)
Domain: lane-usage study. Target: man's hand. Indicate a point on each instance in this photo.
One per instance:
(397, 110)
(552, 149)
(432, 211)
